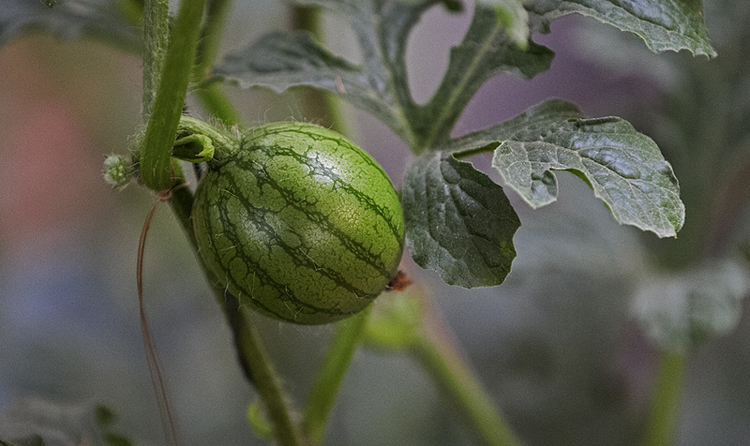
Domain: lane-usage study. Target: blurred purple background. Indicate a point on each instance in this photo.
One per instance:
(555, 344)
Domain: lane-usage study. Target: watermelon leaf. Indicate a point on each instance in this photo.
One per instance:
(624, 168)
(458, 222)
(683, 311)
(485, 52)
(664, 25)
(380, 86)
(279, 61)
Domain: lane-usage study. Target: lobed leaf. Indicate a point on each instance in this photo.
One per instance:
(458, 222)
(624, 168)
(280, 61)
(380, 86)
(485, 51)
(99, 19)
(662, 24)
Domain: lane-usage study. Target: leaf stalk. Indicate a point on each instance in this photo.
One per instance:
(212, 95)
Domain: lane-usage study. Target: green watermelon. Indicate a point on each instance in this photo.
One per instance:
(299, 223)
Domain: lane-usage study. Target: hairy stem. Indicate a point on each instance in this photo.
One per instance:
(211, 33)
(660, 428)
(162, 109)
(191, 126)
(156, 40)
(251, 353)
(156, 163)
(409, 322)
(325, 109)
(331, 375)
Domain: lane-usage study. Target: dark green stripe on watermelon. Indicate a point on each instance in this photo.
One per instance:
(300, 223)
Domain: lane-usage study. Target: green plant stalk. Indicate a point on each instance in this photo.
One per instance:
(156, 163)
(331, 375)
(155, 41)
(253, 357)
(319, 104)
(252, 354)
(212, 97)
(440, 357)
(443, 123)
(211, 33)
(163, 123)
(660, 428)
(191, 126)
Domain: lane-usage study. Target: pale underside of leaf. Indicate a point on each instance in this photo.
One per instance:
(100, 19)
(664, 25)
(458, 222)
(624, 168)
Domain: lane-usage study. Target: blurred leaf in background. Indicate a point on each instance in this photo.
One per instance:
(111, 21)
(39, 422)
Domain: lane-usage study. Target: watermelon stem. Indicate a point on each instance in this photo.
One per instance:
(167, 67)
(212, 96)
(194, 148)
(253, 357)
(262, 374)
(155, 156)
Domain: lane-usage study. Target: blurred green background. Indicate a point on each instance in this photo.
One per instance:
(556, 345)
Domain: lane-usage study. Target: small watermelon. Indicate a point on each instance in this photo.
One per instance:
(299, 223)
